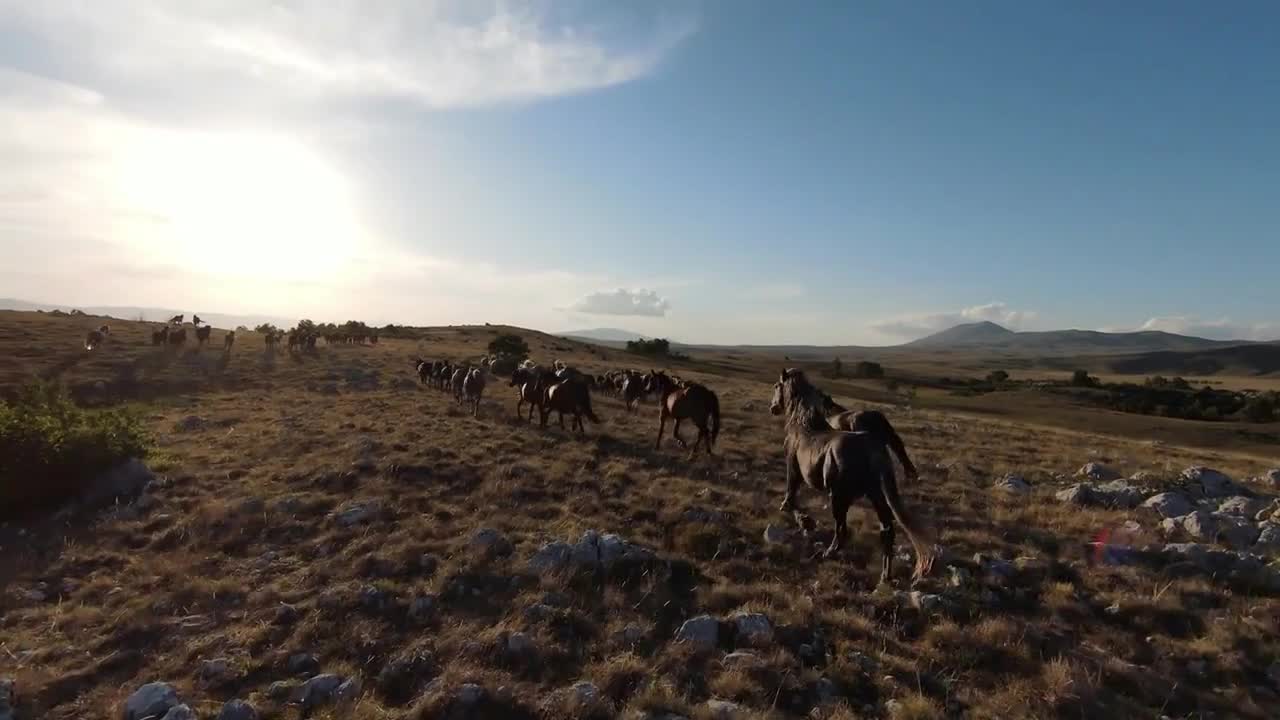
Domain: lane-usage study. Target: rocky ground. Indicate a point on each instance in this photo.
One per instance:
(320, 536)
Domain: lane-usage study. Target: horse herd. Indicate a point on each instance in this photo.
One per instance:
(843, 453)
(174, 334)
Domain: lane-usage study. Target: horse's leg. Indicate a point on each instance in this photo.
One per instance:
(561, 413)
(675, 433)
(840, 514)
(793, 484)
(662, 425)
(885, 515)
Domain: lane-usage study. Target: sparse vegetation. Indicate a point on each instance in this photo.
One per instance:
(49, 447)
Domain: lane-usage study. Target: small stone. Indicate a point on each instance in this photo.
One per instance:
(152, 700)
(1242, 506)
(585, 693)
(1169, 504)
(238, 710)
(753, 629)
(285, 615)
(741, 659)
(357, 514)
(215, 672)
(490, 541)
(469, 694)
(320, 690)
(826, 692)
(282, 690)
(550, 558)
(1013, 483)
(1200, 525)
(702, 631)
(348, 691)
(1098, 472)
(519, 643)
(302, 664)
(1119, 494)
(633, 633)
(774, 535)
(1237, 532)
(1271, 478)
(958, 577)
(1268, 537)
(723, 709)
(925, 602)
(179, 712)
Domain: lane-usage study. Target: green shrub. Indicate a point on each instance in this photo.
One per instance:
(49, 447)
(509, 345)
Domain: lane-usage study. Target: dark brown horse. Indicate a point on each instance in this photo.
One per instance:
(161, 336)
(202, 334)
(632, 389)
(685, 401)
(869, 421)
(847, 465)
(531, 383)
(568, 396)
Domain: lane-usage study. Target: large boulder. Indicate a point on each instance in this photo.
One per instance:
(180, 712)
(121, 483)
(592, 552)
(1078, 494)
(1200, 525)
(1242, 506)
(1098, 472)
(1119, 494)
(1270, 478)
(1236, 532)
(1169, 504)
(150, 701)
(1214, 484)
(237, 710)
(752, 628)
(702, 632)
(1268, 541)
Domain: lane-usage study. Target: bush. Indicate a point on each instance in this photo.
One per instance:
(997, 376)
(509, 345)
(657, 347)
(867, 369)
(1081, 378)
(49, 447)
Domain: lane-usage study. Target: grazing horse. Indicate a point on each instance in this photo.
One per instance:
(161, 336)
(178, 337)
(845, 464)
(202, 334)
(228, 340)
(93, 339)
(473, 388)
(869, 421)
(105, 329)
(567, 396)
(684, 401)
(176, 319)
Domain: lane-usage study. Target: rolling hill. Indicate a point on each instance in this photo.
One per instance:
(989, 336)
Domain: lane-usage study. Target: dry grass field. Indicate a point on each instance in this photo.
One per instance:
(321, 513)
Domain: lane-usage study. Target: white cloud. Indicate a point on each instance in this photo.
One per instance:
(1220, 329)
(913, 326)
(447, 53)
(622, 302)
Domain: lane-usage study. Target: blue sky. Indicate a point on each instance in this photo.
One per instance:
(717, 172)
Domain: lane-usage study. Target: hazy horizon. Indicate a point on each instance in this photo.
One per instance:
(714, 172)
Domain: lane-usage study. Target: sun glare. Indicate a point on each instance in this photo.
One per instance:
(238, 205)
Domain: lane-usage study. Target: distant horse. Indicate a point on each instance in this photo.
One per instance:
(228, 340)
(870, 421)
(105, 329)
(845, 464)
(161, 336)
(93, 339)
(567, 396)
(195, 320)
(176, 319)
(473, 388)
(685, 401)
(202, 334)
(270, 339)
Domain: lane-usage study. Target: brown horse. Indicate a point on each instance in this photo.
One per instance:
(93, 339)
(684, 401)
(177, 337)
(869, 421)
(228, 340)
(161, 336)
(473, 388)
(456, 380)
(202, 334)
(632, 389)
(845, 464)
(568, 396)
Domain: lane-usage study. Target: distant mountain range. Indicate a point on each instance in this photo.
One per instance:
(150, 314)
(992, 337)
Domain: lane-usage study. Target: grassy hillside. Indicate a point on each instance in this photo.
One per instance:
(327, 506)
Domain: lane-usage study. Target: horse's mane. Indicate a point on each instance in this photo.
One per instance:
(803, 403)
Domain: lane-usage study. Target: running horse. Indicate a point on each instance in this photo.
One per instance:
(684, 401)
(847, 465)
(869, 421)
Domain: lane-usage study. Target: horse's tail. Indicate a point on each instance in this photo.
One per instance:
(715, 417)
(895, 443)
(916, 533)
